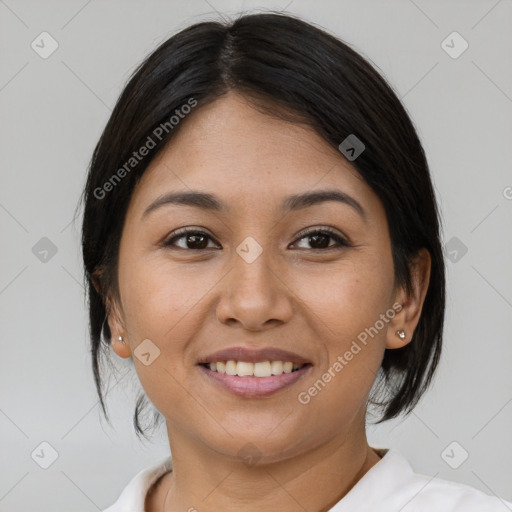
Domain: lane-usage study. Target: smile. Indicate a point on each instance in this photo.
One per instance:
(248, 379)
(248, 369)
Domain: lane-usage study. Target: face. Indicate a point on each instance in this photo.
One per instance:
(258, 277)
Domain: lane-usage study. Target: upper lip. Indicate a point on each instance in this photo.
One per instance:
(253, 355)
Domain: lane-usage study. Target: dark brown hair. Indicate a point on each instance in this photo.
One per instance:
(283, 65)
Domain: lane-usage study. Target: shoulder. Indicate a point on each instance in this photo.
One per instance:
(156, 495)
(420, 492)
(393, 485)
(142, 486)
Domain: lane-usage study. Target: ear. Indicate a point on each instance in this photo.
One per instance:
(411, 301)
(95, 280)
(117, 328)
(115, 321)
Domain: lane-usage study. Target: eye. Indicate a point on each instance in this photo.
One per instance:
(198, 240)
(194, 239)
(319, 237)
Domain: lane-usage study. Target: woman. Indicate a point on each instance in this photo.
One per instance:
(261, 237)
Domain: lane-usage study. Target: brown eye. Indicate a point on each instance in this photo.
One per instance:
(198, 240)
(319, 239)
(194, 240)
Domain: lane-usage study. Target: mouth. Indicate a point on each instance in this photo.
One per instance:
(254, 373)
(259, 370)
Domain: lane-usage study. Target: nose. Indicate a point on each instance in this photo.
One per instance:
(255, 295)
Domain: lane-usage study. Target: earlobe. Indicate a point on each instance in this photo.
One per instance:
(121, 347)
(119, 340)
(117, 329)
(397, 338)
(401, 334)
(403, 325)
(96, 283)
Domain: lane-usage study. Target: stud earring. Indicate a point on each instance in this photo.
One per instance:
(121, 340)
(401, 334)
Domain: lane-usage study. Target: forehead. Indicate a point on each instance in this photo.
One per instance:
(247, 157)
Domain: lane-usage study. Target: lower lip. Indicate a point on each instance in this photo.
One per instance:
(255, 386)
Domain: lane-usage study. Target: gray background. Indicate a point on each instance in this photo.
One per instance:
(53, 111)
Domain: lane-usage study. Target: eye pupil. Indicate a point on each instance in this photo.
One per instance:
(320, 236)
(194, 239)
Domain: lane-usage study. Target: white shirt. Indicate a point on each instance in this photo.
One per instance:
(390, 485)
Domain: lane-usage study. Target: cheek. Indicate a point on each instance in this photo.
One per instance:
(161, 302)
(160, 297)
(349, 296)
(345, 305)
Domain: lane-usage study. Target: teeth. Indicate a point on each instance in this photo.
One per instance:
(276, 367)
(231, 367)
(244, 369)
(260, 369)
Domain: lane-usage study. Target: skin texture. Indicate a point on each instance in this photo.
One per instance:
(297, 296)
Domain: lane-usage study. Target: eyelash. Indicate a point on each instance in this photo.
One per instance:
(181, 233)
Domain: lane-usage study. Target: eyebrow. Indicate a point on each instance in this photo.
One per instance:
(207, 201)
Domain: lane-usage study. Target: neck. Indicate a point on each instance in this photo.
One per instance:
(206, 481)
